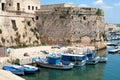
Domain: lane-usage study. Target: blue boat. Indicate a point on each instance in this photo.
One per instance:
(77, 59)
(53, 62)
(13, 69)
(30, 69)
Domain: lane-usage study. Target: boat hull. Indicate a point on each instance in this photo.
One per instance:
(52, 66)
(14, 70)
(30, 69)
(92, 61)
(103, 60)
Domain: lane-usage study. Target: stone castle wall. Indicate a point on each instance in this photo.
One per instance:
(70, 24)
(18, 27)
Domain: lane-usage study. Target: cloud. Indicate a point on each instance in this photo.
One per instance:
(98, 2)
(117, 4)
(83, 5)
(101, 4)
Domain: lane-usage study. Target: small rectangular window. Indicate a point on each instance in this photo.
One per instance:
(3, 6)
(37, 18)
(18, 6)
(36, 8)
(13, 23)
(28, 7)
(32, 7)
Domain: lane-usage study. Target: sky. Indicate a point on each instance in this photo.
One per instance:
(111, 7)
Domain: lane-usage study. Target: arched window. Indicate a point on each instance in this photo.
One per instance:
(84, 17)
(29, 7)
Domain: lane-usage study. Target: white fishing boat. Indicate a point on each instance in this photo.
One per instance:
(102, 59)
(53, 63)
(28, 69)
(113, 50)
(76, 59)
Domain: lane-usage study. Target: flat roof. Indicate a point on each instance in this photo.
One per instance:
(75, 55)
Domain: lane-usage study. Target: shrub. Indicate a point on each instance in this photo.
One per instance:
(23, 35)
(35, 42)
(3, 40)
(80, 15)
(0, 31)
(28, 23)
(99, 12)
(15, 28)
(17, 61)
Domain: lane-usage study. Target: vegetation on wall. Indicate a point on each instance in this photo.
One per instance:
(3, 40)
(16, 61)
(12, 40)
(0, 31)
(17, 39)
(28, 23)
(15, 28)
(99, 12)
(79, 15)
(35, 42)
(63, 16)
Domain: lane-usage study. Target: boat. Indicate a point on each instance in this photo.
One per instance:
(53, 63)
(77, 59)
(14, 69)
(113, 50)
(28, 69)
(111, 44)
(91, 59)
(102, 59)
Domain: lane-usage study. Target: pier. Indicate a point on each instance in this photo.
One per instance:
(6, 75)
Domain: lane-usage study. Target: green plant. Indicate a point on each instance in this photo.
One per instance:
(79, 15)
(12, 39)
(15, 28)
(68, 41)
(44, 43)
(32, 30)
(37, 36)
(3, 40)
(23, 35)
(99, 12)
(62, 16)
(17, 61)
(35, 42)
(0, 31)
(28, 23)
(29, 39)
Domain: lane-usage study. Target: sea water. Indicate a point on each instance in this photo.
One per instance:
(100, 71)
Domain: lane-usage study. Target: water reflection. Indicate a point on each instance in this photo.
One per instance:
(91, 72)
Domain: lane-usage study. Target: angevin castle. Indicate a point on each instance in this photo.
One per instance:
(25, 22)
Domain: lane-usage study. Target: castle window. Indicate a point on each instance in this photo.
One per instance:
(18, 6)
(36, 8)
(84, 18)
(3, 6)
(28, 7)
(13, 23)
(32, 7)
(37, 18)
(9, 4)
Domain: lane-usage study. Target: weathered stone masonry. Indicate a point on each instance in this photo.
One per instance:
(61, 24)
(17, 22)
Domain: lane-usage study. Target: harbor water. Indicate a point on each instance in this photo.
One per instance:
(100, 71)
